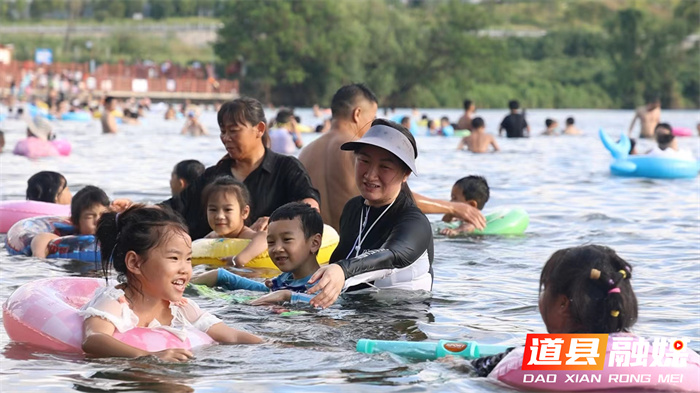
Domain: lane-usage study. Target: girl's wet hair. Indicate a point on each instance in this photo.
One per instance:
(227, 184)
(597, 283)
(45, 186)
(139, 228)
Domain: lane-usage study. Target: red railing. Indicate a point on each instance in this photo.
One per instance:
(120, 77)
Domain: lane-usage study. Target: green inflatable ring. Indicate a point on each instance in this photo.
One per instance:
(462, 133)
(500, 222)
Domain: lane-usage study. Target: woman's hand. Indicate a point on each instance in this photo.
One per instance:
(331, 280)
(173, 355)
(273, 298)
(468, 213)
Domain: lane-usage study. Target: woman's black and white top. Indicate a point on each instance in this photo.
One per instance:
(385, 247)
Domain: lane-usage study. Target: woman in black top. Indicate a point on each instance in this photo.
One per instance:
(272, 179)
(385, 240)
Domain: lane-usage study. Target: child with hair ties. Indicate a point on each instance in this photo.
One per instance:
(150, 249)
(585, 289)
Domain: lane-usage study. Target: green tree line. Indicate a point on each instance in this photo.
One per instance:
(106, 9)
(434, 54)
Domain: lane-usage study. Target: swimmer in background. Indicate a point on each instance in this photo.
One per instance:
(130, 117)
(465, 122)
(478, 141)
(551, 127)
(472, 190)
(514, 124)
(2, 140)
(433, 127)
(184, 173)
(446, 128)
(109, 123)
(284, 135)
(325, 127)
(570, 128)
(170, 113)
(49, 187)
(667, 144)
(192, 125)
(649, 116)
(406, 122)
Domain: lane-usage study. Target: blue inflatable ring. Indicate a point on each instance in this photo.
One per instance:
(76, 116)
(67, 246)
(646, 166)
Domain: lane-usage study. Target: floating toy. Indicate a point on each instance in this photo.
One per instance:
(462, 133)
(76, 116)
(45, 313)
(646, 166)
(430, 350)
(67, 246)
(682, 131)
(211, 251)
(13, 211)
(36, 148)
(669, 375)
(500, 222)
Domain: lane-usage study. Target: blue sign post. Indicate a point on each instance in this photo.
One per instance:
(43, 56)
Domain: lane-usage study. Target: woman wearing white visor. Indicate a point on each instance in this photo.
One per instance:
(385, 240)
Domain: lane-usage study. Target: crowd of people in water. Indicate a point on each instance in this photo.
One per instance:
(353, 177)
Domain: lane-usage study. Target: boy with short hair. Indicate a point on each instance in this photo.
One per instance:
(293, 239)
(551, 127)
(571, 128)
(86, 208)
(478, 141)
(472, 190)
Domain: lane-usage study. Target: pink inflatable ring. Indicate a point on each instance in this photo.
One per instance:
(681, 131)
(14, 211)
(45, 313)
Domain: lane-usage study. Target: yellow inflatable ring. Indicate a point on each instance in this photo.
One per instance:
(210, 251)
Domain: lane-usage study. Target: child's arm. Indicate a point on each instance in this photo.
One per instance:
(99, 342)
(282, 296)
(40, 244)
(462, 229)
(224, 334)
(257, 246)
(494, 144)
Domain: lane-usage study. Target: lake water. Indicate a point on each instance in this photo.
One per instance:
(485, 288)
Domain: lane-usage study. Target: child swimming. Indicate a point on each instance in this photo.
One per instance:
(227, 203)
(150, 249)
(293, 240)
(48, 186)
(583, 289)
(184, 173)
(479, 140)
(472, 190)
(87, 206)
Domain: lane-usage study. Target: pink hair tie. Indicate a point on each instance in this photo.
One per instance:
(614, 290)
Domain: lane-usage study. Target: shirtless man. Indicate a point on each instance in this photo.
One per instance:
(332, 170)
(478, 141)
(649, 116)
(109, 123)
(465, 122)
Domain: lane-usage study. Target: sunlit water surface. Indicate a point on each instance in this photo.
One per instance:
(485, 289)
